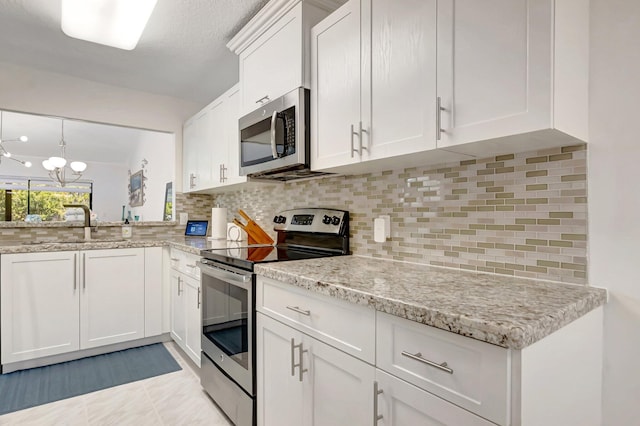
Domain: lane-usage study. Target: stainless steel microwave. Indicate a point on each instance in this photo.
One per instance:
(274, 140)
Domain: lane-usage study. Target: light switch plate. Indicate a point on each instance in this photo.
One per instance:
(184, 218)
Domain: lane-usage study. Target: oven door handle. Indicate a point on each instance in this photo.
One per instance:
(240, 280)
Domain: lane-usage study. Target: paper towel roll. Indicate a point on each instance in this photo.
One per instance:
(219, 223)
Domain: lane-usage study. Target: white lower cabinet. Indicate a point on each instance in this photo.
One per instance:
(311, 372)
(111, 305)
(400, 403)
(302, 381)
(39, 305)
(186, 316)
(59, 302)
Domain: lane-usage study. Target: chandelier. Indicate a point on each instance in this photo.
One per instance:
(57, 166)
(7, 154)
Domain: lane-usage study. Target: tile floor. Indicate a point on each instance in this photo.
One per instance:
(171, 399)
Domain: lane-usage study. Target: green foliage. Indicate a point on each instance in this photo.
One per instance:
(47, 204)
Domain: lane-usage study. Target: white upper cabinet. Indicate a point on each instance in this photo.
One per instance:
(410, 76)
(211, 146)
(373, 91)
(230, 169)
(196, 167)
(272, 65)
(274, 49)
(336, 91)
(402, 51)
(497, 77)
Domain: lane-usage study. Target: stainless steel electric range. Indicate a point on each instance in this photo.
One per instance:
(228, 301)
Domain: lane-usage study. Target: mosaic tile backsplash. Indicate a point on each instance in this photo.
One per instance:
(519, 214)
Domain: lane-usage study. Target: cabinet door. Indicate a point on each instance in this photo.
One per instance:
(193, 318)
(197, 152)
(215, 143)
(178, 315)
(272, 65)
(279, 390)
(189, 154)
(402, 50)
(111, 304)
(232, 138)
(38, 305)
(494, 68)
(400, 403)
(336, 71)
(338, 388)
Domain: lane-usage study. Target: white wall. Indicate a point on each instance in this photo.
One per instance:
(614, 198)
(157, 149)
(30, 90)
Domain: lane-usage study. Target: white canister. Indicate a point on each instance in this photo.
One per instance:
(235, 233)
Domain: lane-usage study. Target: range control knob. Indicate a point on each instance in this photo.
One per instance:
(326, 220)
(282, 219)
(335, 220)
(275, 219)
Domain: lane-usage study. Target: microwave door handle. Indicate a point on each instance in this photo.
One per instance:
(274, 118)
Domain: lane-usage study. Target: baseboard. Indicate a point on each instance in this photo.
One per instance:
(55, 359)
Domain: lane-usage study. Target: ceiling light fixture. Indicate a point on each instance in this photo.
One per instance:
(7, 154)
(115, 23)
(57, 166)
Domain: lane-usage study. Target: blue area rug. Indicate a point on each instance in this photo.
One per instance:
(37, 386)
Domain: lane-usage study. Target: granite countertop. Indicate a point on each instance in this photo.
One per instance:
(190, 245)
(502, 310)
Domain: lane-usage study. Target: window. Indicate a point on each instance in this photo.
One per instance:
(21, 196)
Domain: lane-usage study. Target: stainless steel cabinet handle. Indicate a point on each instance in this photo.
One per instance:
(75, 271)
(190, 265)
(175, 259)
(301, 351)
(293, 355)
(376, 391)
(298, 310)
(439, 109)
(179, 282)
(353, 133)
(263, 100)
(198, 298)
(224, 173)
(84, 270)
(192, 180)
(274, 151)
(360, 132)
(418, 357)
(300, 369)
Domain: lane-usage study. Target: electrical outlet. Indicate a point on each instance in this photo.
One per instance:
(184, 218)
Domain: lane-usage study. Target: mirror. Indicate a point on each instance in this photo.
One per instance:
(112, 154)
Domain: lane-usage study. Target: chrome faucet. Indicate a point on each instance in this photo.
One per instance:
(87, 219)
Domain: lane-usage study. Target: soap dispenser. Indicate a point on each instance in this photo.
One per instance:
(126, 228)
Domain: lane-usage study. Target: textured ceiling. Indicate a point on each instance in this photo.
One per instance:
(181, 53)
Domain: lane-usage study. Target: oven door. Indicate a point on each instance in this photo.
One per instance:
(228, 316)
(274, 136)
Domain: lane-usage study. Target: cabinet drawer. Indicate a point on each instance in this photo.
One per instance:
(346, 326)
(185, 262)
(479, 377)
(400, 403)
